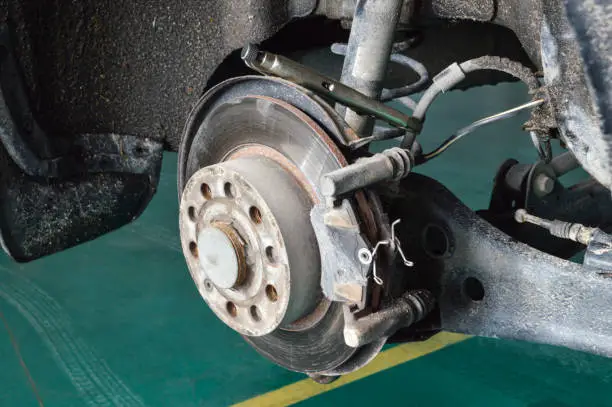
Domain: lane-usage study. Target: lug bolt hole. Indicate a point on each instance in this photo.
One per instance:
(206, 192)
(271, 293)
(193, 248)
(271, 254)
(231, 309)
(254, 311)
(229, 190)
(255, 215)
(192, 213)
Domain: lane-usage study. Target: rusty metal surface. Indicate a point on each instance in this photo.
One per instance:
(264, 206)
(321, 346)
(238, 248)
(258, 150)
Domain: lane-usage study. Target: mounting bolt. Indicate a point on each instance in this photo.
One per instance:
(543, 184)
(391, 165)
(406, 310)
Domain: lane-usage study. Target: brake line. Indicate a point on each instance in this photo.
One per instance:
(479, 123)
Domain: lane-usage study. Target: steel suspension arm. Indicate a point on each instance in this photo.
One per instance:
(488, 284)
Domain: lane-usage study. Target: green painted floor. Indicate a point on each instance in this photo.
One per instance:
(118, 322)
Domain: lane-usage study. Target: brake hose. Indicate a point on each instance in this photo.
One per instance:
(455, 73)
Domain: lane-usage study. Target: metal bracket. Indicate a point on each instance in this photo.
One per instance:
(537, 189)
(343, 277)
(488, 284)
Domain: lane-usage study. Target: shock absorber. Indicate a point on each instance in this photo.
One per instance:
(367, 56)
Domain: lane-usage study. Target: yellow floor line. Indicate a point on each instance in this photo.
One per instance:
(305, 389)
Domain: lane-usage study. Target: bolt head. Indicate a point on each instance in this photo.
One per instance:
(543, 184)
(519, 215)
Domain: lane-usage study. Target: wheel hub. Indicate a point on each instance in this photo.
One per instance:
(222, 256)
(249, 245)
(268, 119)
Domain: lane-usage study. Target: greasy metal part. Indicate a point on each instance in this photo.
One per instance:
(390, 165)
(229, 122)
(343, 277)
(599, 251)
(488, 284)
(565, 230)
(271, 64)
(367, 57)
(264, 205)
(402, 312)
(555, 200)
(511, 177)
(535, 182)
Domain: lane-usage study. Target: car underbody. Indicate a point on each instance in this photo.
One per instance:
(314, 249)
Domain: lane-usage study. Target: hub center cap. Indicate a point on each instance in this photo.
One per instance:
(222, 255)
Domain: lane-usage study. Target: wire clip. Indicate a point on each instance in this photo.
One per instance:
(367, 257)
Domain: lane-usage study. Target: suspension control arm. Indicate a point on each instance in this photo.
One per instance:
(488, 284)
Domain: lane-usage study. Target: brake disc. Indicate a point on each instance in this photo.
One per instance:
(250, 165)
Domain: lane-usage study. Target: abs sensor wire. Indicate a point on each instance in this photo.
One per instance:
(455, 73)
(469, 129)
